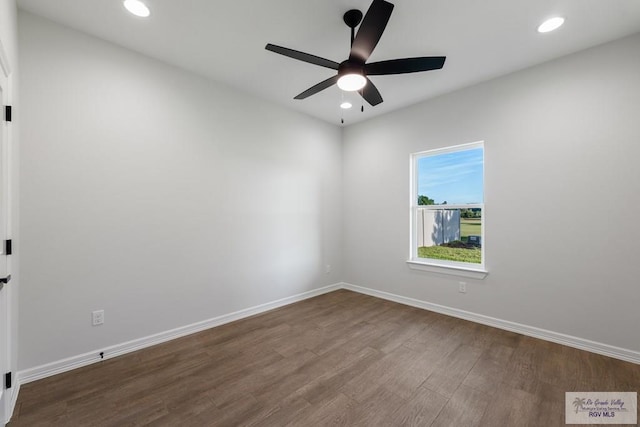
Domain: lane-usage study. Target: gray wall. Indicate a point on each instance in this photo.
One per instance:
(160, 197)
(562, 143)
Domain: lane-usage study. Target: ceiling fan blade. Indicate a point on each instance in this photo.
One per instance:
(371, 29)
(371, 94)
(317, 88)
(301, 56)
(405, 65)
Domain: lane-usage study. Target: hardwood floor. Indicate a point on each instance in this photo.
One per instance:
(337, 359)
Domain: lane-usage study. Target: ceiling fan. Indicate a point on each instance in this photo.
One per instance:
(353, 72)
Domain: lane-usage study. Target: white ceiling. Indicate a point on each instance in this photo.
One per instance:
(224, 40)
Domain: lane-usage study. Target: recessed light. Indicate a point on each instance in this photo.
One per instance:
(551, 24)
(346, 105)
(137, 8)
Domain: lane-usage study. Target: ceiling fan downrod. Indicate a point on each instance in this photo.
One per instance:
(352, 18)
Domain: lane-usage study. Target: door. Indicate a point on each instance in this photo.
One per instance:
(5, 308)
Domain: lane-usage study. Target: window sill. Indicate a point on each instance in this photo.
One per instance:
(454, 270)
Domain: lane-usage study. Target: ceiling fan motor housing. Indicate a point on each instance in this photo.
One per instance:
(350, 67)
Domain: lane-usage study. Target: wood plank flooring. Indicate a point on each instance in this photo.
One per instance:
(337, 359)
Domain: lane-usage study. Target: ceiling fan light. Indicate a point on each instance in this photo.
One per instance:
(352, 82)
(137, 8)
(346, 105)
(551, 24)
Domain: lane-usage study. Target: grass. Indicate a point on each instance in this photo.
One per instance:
(470, 227)
(451, 254)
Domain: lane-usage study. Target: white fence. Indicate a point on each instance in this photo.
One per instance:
(436, 227)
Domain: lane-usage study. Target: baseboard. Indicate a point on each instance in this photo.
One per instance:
(15, 390)
(70, 363)
(568, 340)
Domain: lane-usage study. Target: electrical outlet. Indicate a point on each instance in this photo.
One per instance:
(462, 287)
(327, 269)
(97, 317)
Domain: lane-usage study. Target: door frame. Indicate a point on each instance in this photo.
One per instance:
(9, 396)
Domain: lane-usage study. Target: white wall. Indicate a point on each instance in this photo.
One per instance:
(9, 39)
(159, 196)
(562, 150)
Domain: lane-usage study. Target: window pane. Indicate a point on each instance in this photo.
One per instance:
(451, 178)
(449, 234)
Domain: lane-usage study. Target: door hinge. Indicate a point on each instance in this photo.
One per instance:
(8, 250)
(7, 380)
(7, 113)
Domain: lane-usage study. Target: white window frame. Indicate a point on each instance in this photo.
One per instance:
(464, 269)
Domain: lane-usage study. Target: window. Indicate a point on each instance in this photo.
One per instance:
(447, 207)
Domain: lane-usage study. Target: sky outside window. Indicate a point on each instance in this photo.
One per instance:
(456, 177)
